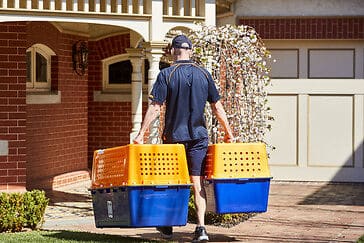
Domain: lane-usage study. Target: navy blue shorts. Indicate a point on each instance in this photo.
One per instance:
(196, 154)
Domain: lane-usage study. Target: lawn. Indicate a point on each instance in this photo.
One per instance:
(64, 237)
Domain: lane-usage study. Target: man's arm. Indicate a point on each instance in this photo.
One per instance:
(152, 112)
(219, 112)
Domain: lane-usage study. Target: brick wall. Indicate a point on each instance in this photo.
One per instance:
(12, 106)
(109, 122)
(57, 133)
(307, 28)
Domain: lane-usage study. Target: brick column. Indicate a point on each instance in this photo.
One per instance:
(12, 106)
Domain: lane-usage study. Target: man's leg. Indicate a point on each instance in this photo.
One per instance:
(196, 153)
(200, 199)
(200, 205)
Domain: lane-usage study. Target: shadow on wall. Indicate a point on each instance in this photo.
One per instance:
(341, 193)
(57, 196)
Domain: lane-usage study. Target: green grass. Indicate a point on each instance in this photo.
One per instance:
(64, 237)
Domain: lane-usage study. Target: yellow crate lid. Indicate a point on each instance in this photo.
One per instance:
(140, 164)
(237, 160)
(109, 167)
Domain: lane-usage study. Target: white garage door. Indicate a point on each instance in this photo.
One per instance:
(317, 100)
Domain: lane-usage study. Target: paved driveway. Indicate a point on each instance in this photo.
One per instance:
(297, 212)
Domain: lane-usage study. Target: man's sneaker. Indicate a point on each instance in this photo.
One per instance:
(200, 234)
(166, 232)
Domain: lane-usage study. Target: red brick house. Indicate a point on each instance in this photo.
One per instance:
(52, 118)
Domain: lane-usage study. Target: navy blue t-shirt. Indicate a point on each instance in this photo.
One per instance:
(185, 88)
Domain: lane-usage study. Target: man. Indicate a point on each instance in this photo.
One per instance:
(186, 87)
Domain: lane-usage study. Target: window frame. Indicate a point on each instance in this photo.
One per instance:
(47, 53)
(106, 86)
(105, 72)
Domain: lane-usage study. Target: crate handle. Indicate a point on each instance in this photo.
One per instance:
(242, 180)
(161, 187)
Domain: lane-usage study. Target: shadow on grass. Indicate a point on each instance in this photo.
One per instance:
(72, 236)
(188, 237)
(91, 237)
(64, 236)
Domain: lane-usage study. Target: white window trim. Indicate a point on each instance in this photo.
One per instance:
(124, 88)
(116, 97)
(105, 73)
(44, 98)
(47, 53)
(116, 92)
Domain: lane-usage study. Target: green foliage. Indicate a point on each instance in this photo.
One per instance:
(239, 63)
(361, 239)
(34, 208)
(11, 212)
(18, 210)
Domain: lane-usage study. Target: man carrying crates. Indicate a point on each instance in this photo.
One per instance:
(185, 88)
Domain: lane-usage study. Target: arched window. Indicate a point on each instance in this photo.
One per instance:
(117, 71)
(39, 67)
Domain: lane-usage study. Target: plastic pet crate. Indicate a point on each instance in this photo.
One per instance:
(140, 164)
(237, 160)
(237, 195)
(141, 206)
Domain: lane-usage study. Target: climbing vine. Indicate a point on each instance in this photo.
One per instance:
(239, 64)
(238, 61)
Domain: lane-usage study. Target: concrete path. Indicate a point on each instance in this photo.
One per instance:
(297, 212)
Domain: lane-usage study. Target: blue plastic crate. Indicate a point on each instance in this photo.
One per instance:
(141, 206)
(237, 195)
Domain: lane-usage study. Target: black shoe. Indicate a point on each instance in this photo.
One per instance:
(200, 234)
(166, 231)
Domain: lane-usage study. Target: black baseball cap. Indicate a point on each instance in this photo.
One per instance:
(181, 41)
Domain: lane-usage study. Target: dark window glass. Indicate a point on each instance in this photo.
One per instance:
(146, 70)
(41, 68)
(120, 72)
(29, 66)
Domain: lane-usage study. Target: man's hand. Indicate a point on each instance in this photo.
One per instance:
(152, 112)
(219, 111)
(139, 139)
(228, 138)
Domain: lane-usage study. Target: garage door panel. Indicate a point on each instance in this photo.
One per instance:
(284, 130)
(328, 97)
(331, 63)
(330, 138)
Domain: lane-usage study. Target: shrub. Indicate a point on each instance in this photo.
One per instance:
(35, 203)
(18, 210)
(11, 212)
(361, 239)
